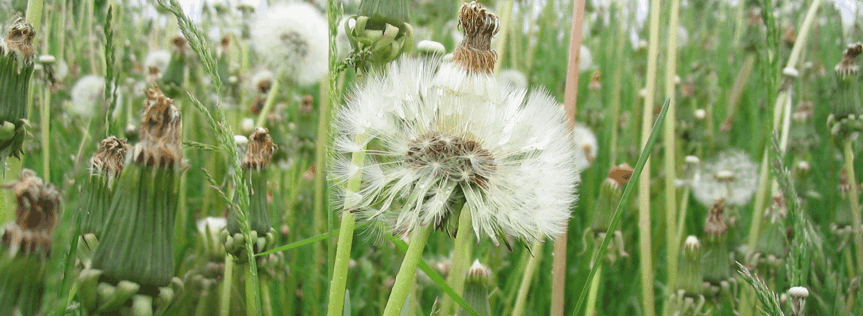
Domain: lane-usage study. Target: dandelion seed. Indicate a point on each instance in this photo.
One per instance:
(292, 38)
(513, 78)
(732, 175)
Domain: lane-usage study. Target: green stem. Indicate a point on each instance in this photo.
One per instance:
(227, 284)
(505, 17)
(251, 289)
(671, 238)
(401, 288)
(684, 208)
(594, 290)
(45, 130)
(853, 197)
(527, 277)
(343, 248)
(460, 259)
(266, 300)
(616, 93)
(268, 105)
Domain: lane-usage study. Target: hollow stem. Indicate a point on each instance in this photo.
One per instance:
(251, 289)
(594, 290)
(460, 259)
(527, 277)
(269, 103)
(854, 198)
(671, 241)
(227, 283)
(404, 278)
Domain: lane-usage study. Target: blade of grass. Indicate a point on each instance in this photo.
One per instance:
(434, 276)
(303, 242)
(624, 201)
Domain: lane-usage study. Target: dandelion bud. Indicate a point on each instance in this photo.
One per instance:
(16, 67)
(476, 289)
(426, 47)
(105, 165)
(382, 28)
(258, 154)
(845, 116)
(26, 241)
(136, 251)
(798, 296)
(690, 267)
(610, 193)
(716, 263)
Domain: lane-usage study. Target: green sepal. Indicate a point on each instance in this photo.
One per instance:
(174, 76)
(258, 212)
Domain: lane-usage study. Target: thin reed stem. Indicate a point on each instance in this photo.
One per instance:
(590, 309)
(527, 278)
(854, 198)
(644, 222)
(671, 239)
(558, 287)
(460, 259)
(405, 277)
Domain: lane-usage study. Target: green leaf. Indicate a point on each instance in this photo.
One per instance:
(624, 202)
(435, 277)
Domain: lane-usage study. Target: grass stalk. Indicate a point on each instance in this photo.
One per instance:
(672, 244)
(854, 198)
(505, 18)
(227, 286)
(558, 287)
(616, 91)
(527, 277)
(404, 278)
(644, 222)
(460, 259)
(251, 289)
(266, 297)
(45, 131)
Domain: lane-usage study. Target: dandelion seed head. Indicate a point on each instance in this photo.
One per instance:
(87, 95)
(214, 224)
(158, 59)
(507, 156)
(292, 38)
(731, 175)
(513, 78)
(585, 62)
(586, 146)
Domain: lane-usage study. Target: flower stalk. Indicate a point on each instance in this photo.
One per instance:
(405, 277)
(460, 257)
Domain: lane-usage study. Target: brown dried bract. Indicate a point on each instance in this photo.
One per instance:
(260, 149)
(715, 223)
(111, 156)
(474, 53)
(620, 173)
(36, 214)
(20, 39)
(848, 65)
(160, 131)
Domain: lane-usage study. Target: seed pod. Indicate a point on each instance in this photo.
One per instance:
(476, 289)
(845, 116)
(26, 245)
(16, 67)
(715, 264)
(138, 239)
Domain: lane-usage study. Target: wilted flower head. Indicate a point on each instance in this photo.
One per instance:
(585, 145)
(511, 163)
(731, 175)
(38, 203)
(110, 158)
(513, 78)
(293, 39)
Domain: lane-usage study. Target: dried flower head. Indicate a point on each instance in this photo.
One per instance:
(848, 65)
(260, 149)
(715, 224)
(474, 54)
(19, 41)
(509, 162)
(110, 158)
(38, 203)
(621, 173)
(292, 39)
(161, 126)
(262, 81)
(731, 175)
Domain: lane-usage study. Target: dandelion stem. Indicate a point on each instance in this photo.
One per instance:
(45, 127)
(590, 309)
(251, 290)
(268, 105)
(266, 299)
(670, 146)
(527, 277)
(404, 278)
(343, 248)
(460, 259)
(853, 197)
(227, 284)
(558, 287)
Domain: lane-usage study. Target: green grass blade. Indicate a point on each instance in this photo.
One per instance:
(624, 202)
(403, 247)
(303, 242)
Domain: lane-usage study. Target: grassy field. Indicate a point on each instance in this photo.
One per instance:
(176, 220)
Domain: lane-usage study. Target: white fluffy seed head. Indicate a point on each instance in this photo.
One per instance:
(586, 60)
(157, 58)
(731, 175)
(513, 78)
(87, 95)
(292, 38)
(505, 153)
(798, 292)
(586, 146)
